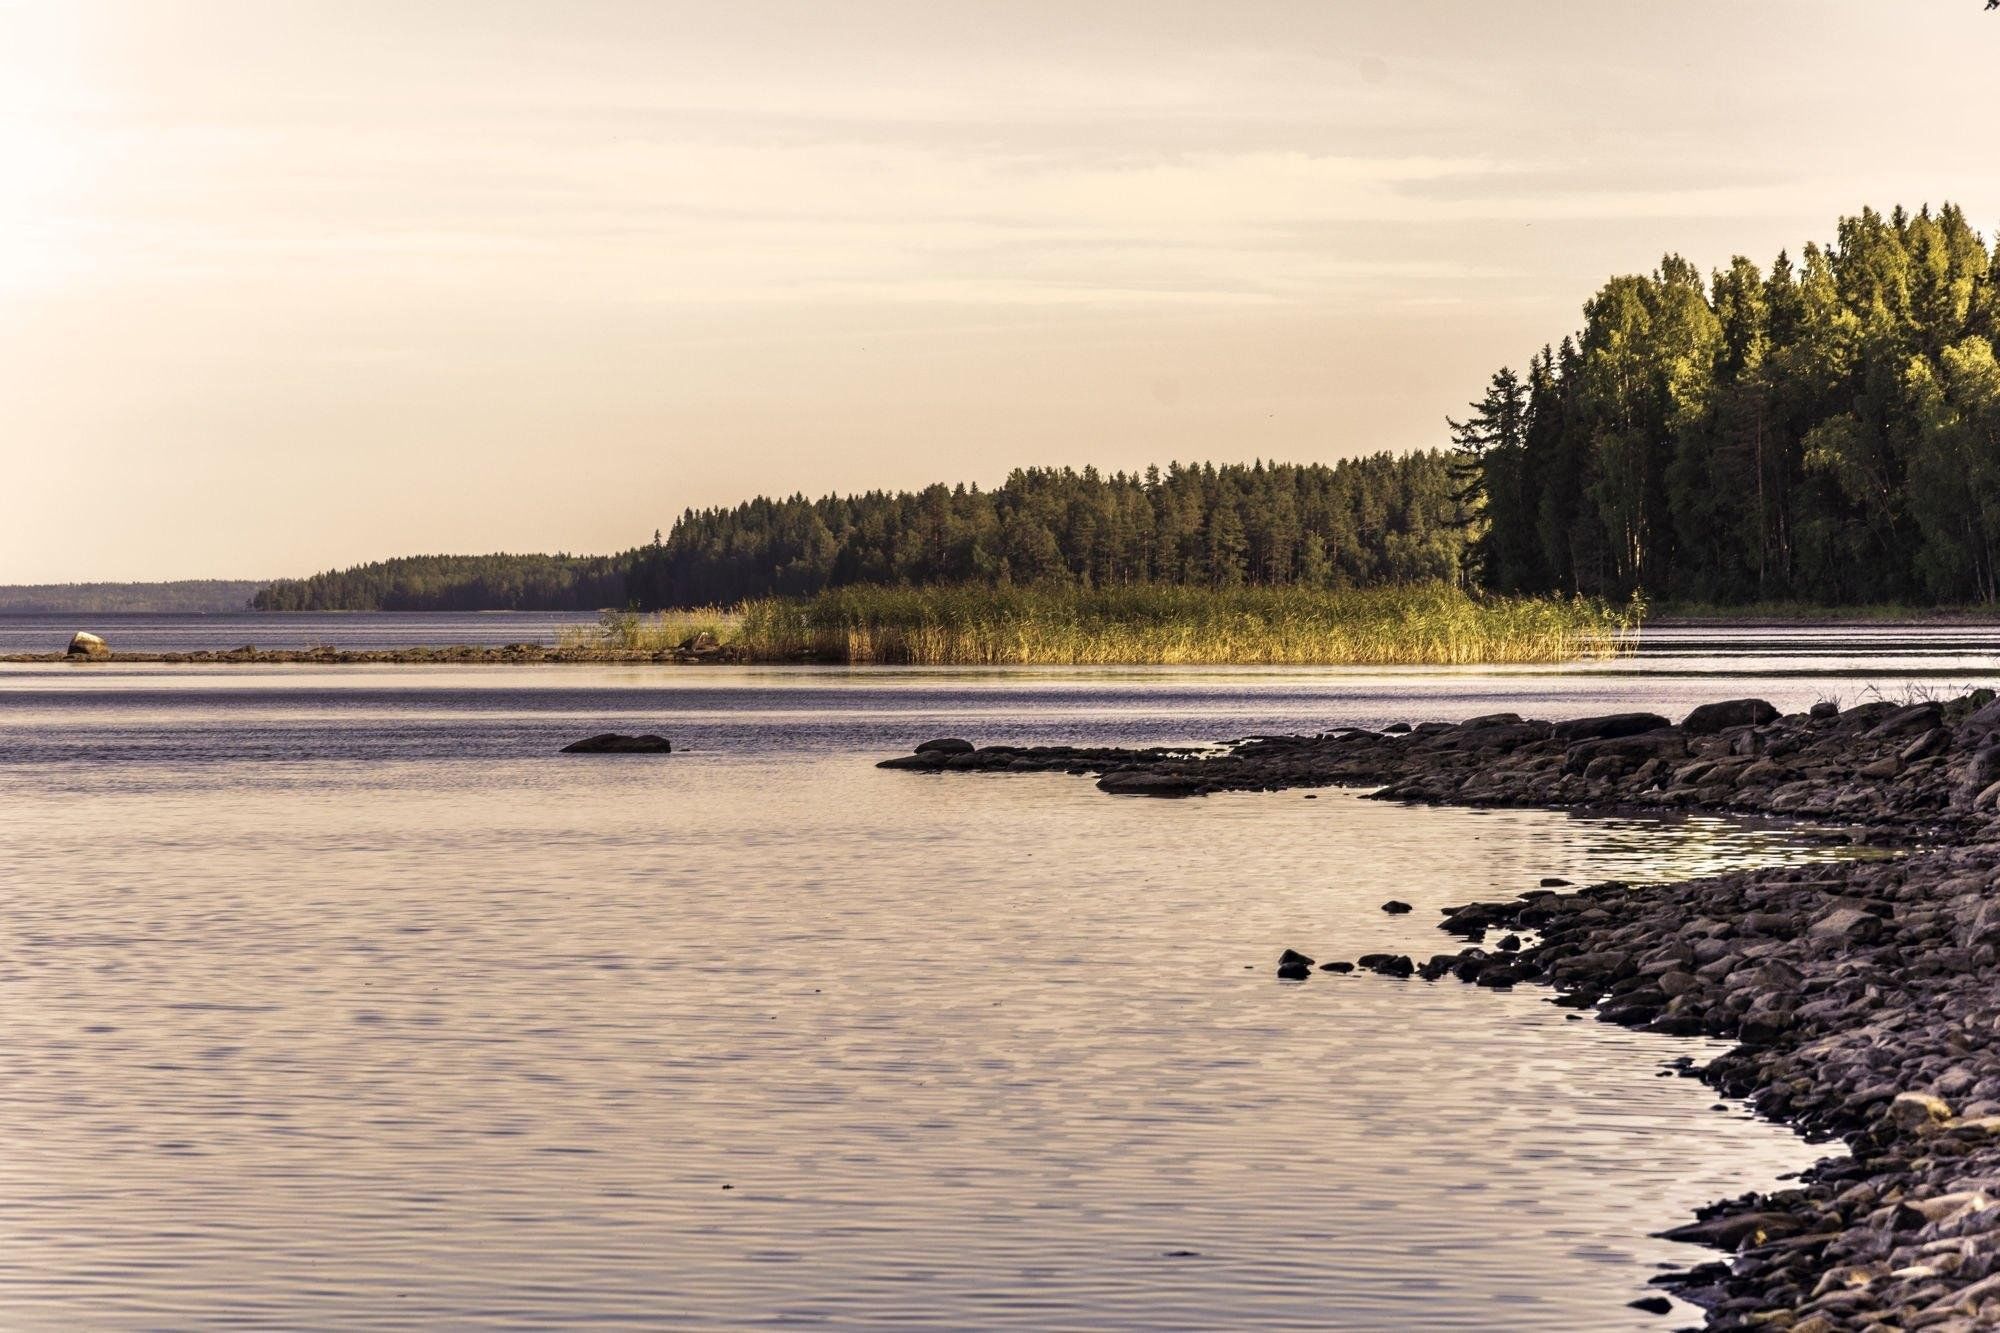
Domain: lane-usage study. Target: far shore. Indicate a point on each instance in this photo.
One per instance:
(452, 655)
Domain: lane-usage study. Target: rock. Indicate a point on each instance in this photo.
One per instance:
(1609, 727)
(946, 745)
(1294, 966)
(1486, 720)
(1623, 752)
(1730, 1232)
(1824, 709)
(1918, 1110)
(1935, 741)
(1983, 770)
(1652, 1305)
(924, 763)
(1881, 768)
(85, 644)
(1554, 882)
(612, 742)
(1984, 720)
(702, 644)
(1138, 782)
(1387, 964)
(1709, 719)
(1396, 908)
(1847, 923)
(1344, 968)
(1907, 721)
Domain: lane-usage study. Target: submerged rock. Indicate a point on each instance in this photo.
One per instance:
(946, 745)
(612, 742)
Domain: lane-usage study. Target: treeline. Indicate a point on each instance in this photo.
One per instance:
(457, 583)
(179, 596)
(1382, 519)
(1826, 430)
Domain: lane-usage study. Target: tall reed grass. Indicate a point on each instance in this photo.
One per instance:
(1422, 624)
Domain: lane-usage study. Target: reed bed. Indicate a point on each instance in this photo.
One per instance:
(1424, 624)
(631, 632)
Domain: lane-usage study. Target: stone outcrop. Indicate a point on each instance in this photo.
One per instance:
(1927, 765)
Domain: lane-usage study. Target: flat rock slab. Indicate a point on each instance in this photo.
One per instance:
(612, 742)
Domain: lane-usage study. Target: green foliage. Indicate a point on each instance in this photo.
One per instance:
(456, 583)
(1147, 624)
(1827, 432)
(1364, 521)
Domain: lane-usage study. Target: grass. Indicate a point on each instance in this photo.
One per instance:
(1425, 624)
(630, 632)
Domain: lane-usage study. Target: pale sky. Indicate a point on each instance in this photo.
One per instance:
(286, 285)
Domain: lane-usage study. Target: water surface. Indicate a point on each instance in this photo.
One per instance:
(338, 998)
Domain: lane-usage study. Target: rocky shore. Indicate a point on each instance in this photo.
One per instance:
(1863, 995)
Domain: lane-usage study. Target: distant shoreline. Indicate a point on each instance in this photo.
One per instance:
(452, 655)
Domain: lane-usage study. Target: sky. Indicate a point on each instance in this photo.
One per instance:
(287, 285)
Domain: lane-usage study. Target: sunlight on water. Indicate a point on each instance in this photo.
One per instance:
(339, 999)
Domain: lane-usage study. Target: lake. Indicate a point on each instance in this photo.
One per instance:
(337, 997)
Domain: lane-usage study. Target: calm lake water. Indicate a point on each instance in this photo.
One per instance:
(337, 998)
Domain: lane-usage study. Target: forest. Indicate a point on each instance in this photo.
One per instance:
(456, 583)
(1365, 521)
(1381, 519)
(181, 596)
(1826, 430)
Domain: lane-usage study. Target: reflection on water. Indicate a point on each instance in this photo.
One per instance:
(339, 999)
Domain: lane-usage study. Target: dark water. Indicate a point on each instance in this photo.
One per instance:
(336, 998)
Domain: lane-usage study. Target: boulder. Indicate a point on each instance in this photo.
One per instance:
(1730, 1231)
(1628, 750)
(85, 644)
(1711, 718)
(1395, 907)
(1491, 720)
(1388, 964)
(1908, 721)
(1918, 1110)
(926, 763)
(612, 742)
(1294, 966)
(1847, 923)
(946, 745)
(1933, 742)
(1609, 727)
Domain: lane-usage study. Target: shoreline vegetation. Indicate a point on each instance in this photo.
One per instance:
(1862, 994)
(1419, 625)
(1426, 624)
